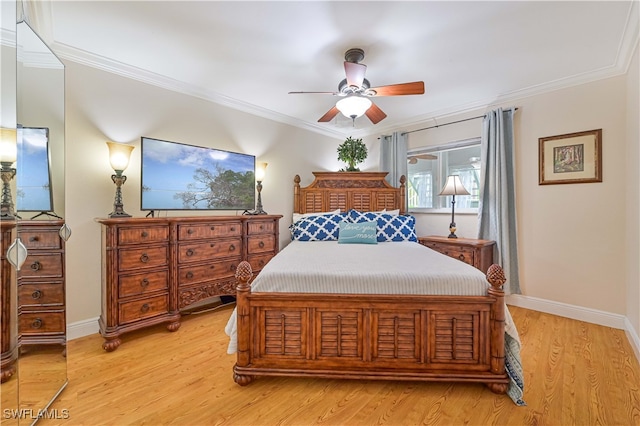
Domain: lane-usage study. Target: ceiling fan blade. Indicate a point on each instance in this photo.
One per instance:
(375, 114)
(313, 93)
(413, 159)
(355, 73)
(329, 115)
(413, 88)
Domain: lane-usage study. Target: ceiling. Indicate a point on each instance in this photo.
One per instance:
(249, 55)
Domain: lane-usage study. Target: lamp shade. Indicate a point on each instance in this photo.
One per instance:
(8, 145)
(353, 106)
(261, 170)
(454, 186)
(119, 154)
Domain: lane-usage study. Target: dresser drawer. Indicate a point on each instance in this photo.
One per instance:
(138, 235)
(257, 262)
(199, 273)
(145, 308)
(148, 257)
(209, 230)
(133, 285)
(40, 239)
(40, 322)
(41, 294)
(42, 265)
(465, 254)
(260, 227)
(261, 244)
(205, 251)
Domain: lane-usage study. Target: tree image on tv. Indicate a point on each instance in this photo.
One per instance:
(222, 189)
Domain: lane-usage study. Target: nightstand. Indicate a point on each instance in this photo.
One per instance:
(477, 253)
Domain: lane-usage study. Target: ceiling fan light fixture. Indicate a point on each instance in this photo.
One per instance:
(353, 106)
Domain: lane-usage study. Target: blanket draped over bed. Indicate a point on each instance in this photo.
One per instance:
(393, 268)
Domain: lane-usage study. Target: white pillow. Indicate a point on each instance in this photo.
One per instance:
(298, 216)
(395, 212)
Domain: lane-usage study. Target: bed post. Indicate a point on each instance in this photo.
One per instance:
(296, 194)
(243, 289)
(496, 277)
(403, 195)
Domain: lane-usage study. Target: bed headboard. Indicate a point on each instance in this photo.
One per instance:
(364, 191)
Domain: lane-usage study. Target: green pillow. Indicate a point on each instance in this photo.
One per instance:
(358, 233)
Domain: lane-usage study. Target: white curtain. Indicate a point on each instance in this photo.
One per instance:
(393, 157)
(497, 212)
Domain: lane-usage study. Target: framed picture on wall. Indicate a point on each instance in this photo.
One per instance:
(570, 158)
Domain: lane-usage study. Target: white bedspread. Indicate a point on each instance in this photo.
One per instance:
(384, 268)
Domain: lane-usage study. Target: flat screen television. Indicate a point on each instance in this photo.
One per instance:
(177, 176)
(33, 178)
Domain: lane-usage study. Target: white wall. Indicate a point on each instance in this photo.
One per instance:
(572, 237)
(103, 106)
(632, 227)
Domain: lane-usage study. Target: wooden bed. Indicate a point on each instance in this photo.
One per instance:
(366, 336)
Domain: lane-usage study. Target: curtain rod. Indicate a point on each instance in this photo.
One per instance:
(446, 124)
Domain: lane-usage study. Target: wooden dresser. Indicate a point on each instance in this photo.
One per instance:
(8, 315)
(478, 253)
(41, 284)
(155, 267)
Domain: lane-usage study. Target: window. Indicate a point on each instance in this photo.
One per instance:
(428, 169)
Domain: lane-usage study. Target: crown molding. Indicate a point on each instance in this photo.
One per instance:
(95, 61)
(628, 43)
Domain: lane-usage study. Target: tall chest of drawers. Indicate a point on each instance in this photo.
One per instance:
(155, 267)
(41, 284)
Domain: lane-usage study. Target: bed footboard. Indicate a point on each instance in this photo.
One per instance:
(363, 336)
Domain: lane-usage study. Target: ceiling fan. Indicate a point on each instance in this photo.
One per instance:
(356, 90)
(413, 159)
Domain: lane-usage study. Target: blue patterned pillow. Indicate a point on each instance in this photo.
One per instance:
(318, 228)
(389, 227)
(358, 233)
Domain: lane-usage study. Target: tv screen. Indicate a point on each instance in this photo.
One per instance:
(33, 180)
(177, 176)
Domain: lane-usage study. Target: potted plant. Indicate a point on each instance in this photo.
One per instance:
(352, 151)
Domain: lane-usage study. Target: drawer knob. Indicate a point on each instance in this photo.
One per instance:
(144, 234)
(232, 267)
(261, 244)
(144, 258)
(189, 274)
(144, 283)
(212, 228)
(144, 308)
(37, 323)
(261, 262)
(36, 294)
(233, 228)
(261, 227)
(232, 247)
(461, 256)
(212, 245)
(36, 266)
(189, 231)
(34, 238)
(190, 252)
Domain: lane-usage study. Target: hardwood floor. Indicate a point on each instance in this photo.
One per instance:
(575, 374)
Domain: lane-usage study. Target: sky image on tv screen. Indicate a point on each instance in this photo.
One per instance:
(33, 182)
(177, 176)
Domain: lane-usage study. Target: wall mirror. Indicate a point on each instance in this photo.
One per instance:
(40, 317)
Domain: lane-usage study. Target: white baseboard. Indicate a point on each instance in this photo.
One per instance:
(633, 338)
(594, 316)
(580, 313)
(82, 328)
